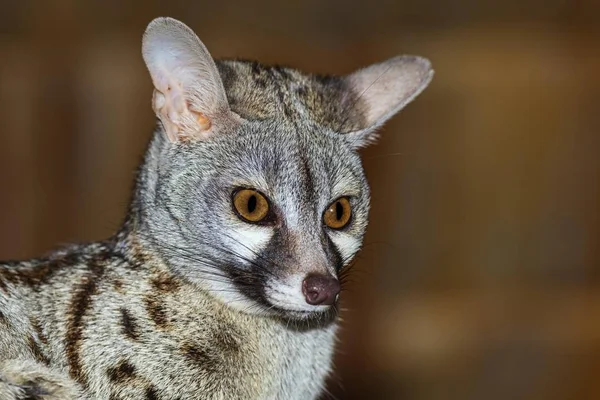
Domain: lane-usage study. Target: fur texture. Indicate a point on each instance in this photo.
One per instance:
(187, 300)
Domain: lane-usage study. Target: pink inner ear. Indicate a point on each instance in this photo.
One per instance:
(203, 121)
(172, 107)
(172, 91)
(389, 86)
(189, 99)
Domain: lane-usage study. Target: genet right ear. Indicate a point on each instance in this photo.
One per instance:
(189, 97)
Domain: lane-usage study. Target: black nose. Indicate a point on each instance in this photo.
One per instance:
(320, 289)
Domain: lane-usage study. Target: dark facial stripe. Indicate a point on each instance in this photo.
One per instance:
(332, 253)
(130, 328)
(251, 280)
(308, 181)
(80, 303)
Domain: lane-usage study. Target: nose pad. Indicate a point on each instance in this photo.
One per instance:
(320, 289)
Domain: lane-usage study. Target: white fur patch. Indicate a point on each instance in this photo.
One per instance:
(346, 244)
(289, 205)
(288, 295)
(229, 294)
(344, 185)
(248, 241)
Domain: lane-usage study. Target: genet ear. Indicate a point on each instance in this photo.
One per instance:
(189, 97)
(383, 89)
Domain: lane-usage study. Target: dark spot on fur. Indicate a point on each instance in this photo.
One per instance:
(138, 258)
(203, 358)
(32, 391)
(261, 91)
(225, 341)
(37, 352)
(261, 82)
(301, 91)
(130, 328)
(33, 275)
(81, 301)
(307, 179)
(151, 393)
(118, 285)
(3, 286)
(3, 319)
(156, 311)
(122, 372)
(283, 72)
(41, 271)
(258, 76)
(165, 282)
(256, 69)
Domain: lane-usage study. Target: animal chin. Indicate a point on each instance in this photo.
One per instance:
(317, 316)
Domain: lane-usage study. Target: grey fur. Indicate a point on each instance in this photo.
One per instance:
(187, 301)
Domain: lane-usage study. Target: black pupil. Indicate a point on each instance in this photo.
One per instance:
(339, 210)
(252, 204)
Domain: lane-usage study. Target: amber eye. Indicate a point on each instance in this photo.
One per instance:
(250, 205)
(338, 213)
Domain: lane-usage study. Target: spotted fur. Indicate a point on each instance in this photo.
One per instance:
(187, 301)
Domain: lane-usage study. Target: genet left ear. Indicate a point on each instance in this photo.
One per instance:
(189, 97)
(383, 89)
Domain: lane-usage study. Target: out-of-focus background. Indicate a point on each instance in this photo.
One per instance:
(480, 278)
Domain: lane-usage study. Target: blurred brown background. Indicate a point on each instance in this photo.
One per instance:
(481, 271)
